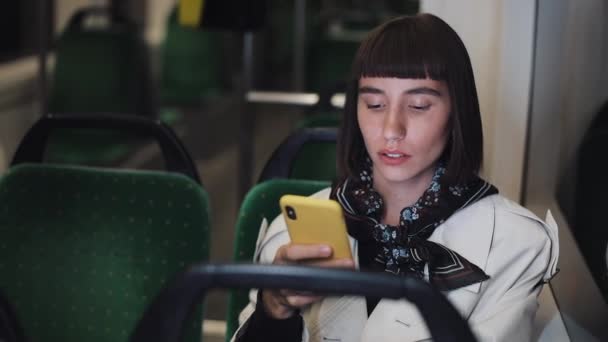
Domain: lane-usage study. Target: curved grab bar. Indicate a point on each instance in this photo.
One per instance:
(32, 146)
(164, 319)
(280, 163)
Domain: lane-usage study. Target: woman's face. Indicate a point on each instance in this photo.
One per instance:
(404, 123)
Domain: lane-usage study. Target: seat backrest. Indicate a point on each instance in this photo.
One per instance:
(309, 153)
(324, 113)
(262, 201)
(333, 43)
(192, 64)
(109, 129)
(82, 250)
(101, 70)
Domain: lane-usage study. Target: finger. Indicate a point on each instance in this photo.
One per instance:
(276, 304)
(297, 252)
(301, 301)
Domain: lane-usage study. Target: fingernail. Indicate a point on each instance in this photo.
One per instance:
(325, 250)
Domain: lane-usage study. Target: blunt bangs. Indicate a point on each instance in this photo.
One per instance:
(403, 49)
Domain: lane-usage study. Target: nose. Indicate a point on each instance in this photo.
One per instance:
(394, 126)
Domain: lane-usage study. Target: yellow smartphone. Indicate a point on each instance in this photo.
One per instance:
(316, 221)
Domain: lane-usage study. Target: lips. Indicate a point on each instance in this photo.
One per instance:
(394, 157)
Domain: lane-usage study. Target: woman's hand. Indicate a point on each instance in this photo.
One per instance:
(281, 304)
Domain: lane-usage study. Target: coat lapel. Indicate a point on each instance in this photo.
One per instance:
(469, 233)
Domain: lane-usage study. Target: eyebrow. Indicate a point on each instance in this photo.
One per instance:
(370, 90)
(413, 91)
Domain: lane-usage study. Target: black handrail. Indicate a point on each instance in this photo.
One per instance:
(164, 319)
(32, 146)
(280, 163)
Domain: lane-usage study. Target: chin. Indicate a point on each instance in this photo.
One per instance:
(396, 175)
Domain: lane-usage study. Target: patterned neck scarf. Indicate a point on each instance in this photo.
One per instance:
(404, 249)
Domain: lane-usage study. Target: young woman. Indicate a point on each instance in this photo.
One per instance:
(409, 154)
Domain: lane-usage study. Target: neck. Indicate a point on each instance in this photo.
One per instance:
(398, 195)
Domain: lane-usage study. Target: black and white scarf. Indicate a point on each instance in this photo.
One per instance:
(404, 249)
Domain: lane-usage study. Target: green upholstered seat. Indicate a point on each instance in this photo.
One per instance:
(262, 201)
(90, 147)
(324, 113)
(315, 160)
(95, 72)
(83, 250)
(99, 70)
(308, 153)
(191, 64)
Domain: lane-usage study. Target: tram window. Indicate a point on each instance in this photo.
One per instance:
(588, 223)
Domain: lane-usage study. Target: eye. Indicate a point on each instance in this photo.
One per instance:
(420, 108)
(373, 106)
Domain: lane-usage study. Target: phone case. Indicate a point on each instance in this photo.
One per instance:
(316, 221)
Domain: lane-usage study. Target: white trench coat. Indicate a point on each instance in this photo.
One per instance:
(514, 247)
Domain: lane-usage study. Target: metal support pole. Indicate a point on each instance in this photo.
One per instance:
(247, 120)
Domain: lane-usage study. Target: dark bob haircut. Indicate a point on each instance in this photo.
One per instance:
(418, 46)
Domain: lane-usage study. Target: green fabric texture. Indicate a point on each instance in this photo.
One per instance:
(315, 161)
(93, 147)
(191, 64)
(99, 72)
(262, 201)
(83, 251)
